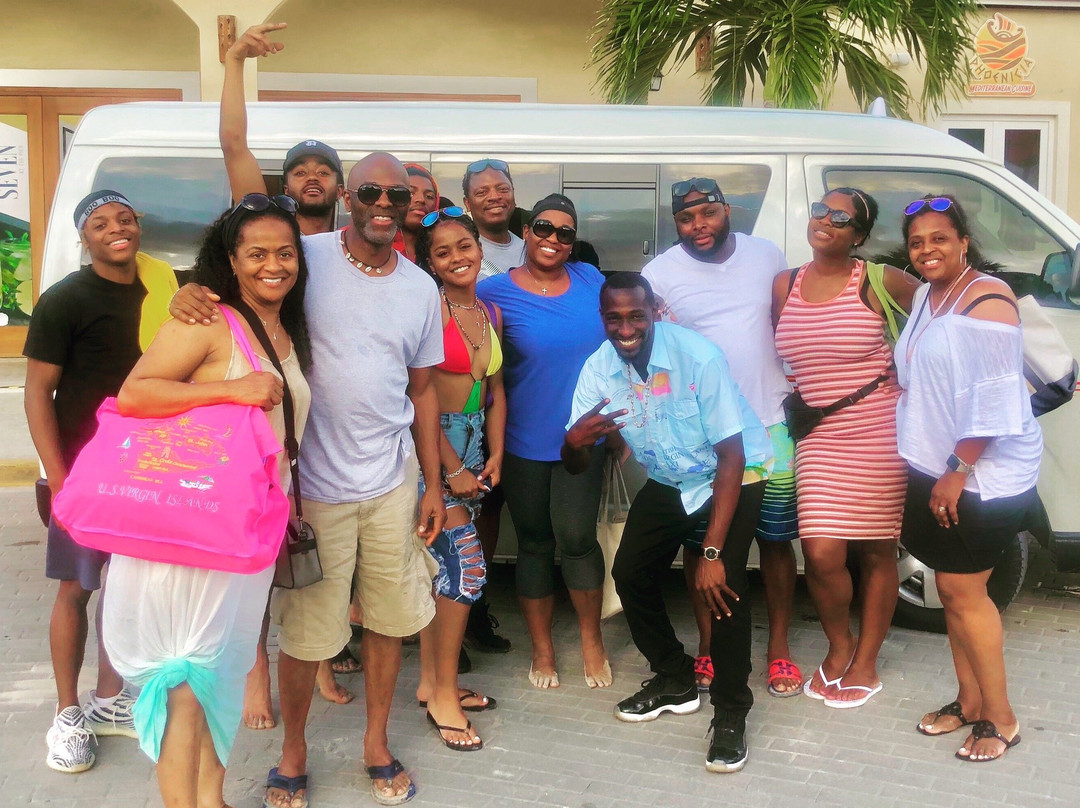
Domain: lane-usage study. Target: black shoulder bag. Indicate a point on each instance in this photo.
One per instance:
(802, 418)
(298, 562)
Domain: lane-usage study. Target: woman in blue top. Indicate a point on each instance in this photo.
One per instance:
(550, 327)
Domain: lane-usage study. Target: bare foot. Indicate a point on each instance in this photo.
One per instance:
(258, 712)
(542, 672)
(328, 686)
(597, 668)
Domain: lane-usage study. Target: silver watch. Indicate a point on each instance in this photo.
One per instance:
(711, 554)
(956, 464)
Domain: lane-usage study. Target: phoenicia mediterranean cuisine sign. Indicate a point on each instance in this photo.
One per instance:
(1000, 65)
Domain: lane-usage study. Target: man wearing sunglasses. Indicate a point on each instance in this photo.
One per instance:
(719, 283)
(376, 334)
(489, 199)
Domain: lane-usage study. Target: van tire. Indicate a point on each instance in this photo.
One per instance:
(1003, 586)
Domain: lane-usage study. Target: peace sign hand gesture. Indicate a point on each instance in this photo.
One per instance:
(593, 425)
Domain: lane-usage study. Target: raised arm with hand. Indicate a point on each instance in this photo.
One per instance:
(245, 176)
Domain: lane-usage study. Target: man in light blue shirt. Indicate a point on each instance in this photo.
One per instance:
(667, 392)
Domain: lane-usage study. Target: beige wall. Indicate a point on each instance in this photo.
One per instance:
(115, 35)
(546, 41)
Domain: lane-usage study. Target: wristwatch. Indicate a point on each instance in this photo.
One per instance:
(956, 464)
(711, 554)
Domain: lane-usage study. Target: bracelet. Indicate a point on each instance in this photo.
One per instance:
(454, 473)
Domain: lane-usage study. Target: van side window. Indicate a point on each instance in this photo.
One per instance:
(1018, 248)
(178, 197)
(744, 186)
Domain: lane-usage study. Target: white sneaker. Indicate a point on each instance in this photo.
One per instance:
(71, 742)
(111, 719)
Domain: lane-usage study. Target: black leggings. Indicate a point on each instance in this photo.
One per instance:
(550, 506)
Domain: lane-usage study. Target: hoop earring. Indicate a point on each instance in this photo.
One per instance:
(963, 258)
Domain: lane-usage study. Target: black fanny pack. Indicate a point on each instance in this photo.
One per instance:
(802, 418)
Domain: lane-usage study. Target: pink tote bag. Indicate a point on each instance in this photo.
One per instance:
(198, 489)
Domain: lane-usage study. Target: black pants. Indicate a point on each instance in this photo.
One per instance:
(655, 528)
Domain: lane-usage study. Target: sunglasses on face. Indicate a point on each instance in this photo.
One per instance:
(451, 212)
(542, 228)
(256, 203)
(837, 218)
(938, 203)
(369, 193)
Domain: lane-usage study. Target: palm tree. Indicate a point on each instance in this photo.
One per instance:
(792, 49)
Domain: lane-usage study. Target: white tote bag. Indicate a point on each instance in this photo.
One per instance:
(614, 506)
(1049, 366)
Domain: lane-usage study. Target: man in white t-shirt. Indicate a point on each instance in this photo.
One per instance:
(719, 284)
(489, 198)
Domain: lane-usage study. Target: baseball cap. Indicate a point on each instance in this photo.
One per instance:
(313, 148)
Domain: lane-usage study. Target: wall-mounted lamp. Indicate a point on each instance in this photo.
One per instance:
(655, 82)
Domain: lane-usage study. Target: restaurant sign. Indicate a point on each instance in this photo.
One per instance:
(1000, 65)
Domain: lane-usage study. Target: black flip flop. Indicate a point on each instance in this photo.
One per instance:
(952, 708)
(457, 747)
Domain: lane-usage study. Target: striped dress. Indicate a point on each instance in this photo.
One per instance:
(849, 475)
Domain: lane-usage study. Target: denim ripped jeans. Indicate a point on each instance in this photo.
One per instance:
(462, 571)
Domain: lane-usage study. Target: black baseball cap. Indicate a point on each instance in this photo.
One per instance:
(553, 202)
(317, 149)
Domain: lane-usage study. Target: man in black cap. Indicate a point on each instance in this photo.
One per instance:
(311, 173)
(86, 333)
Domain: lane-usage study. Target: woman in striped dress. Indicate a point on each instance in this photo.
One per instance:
(849, 476)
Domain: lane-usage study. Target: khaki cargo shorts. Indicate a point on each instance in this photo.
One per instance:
(374, 545)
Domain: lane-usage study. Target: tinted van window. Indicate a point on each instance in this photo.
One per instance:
(178, 197)
(1017, 246)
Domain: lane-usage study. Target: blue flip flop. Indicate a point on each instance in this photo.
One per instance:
(290, 785)
(388, 772)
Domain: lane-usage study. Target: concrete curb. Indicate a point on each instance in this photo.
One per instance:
(18, 473)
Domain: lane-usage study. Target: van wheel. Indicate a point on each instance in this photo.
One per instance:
(919, 606)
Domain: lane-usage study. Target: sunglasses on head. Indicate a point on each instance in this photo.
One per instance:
(542, 228)
(484, 165)
(369, 193)
(699, 184)
(938, 203)
(451, 212)
(838, 218)
(257, 203)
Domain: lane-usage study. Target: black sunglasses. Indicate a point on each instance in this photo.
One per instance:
(542, 228)
(453, 212)
(369, 193)
(838, 218)
(938, 203)
(702, 185)
(256, 203)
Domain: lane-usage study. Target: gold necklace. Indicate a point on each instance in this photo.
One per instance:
(367, 269)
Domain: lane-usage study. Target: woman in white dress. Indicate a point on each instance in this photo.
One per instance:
(189, 636)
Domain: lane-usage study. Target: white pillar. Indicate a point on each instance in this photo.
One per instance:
(204, 14)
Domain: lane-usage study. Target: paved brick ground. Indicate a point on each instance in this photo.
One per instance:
(563, 747)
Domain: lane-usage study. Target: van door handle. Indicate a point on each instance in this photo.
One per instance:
(646, 247)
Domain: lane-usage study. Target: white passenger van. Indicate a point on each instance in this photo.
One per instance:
(617, 164)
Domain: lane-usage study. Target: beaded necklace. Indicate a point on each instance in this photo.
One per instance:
(367, 269)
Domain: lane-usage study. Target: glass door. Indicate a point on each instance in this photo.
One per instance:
(1022, 145)
(616, 206)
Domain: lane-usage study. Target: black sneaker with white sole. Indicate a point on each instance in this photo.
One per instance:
(659, 695)
(727, 752)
